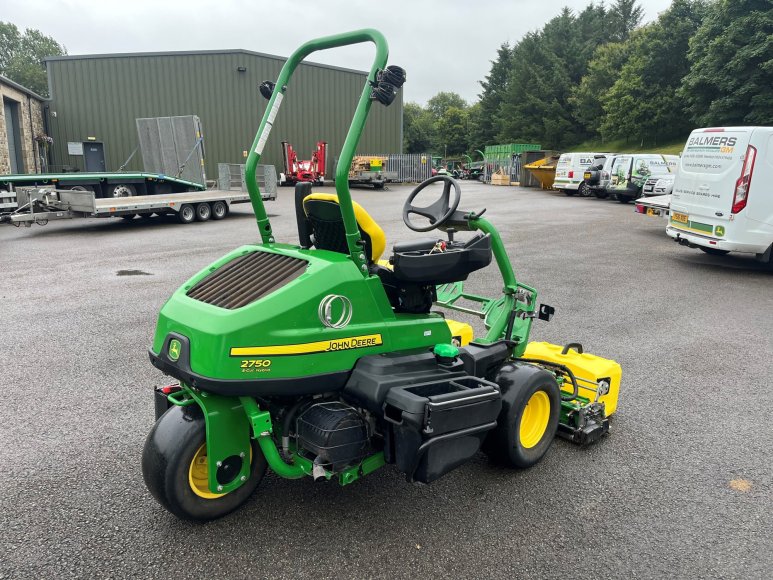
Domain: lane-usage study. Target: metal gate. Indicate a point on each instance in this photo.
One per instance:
(511, 167)
(230, 176)
(402, 167)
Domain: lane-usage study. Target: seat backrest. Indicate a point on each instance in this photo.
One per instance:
(327, 224)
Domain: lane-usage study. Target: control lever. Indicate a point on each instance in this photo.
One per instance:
(473, 216)
(451, 232)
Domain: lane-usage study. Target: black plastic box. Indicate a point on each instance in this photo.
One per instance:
(438, 425)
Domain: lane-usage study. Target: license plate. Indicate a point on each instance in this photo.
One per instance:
(586, 175)
(679, 217)
(653, 211)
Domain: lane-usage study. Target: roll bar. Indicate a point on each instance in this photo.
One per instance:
(353, 239)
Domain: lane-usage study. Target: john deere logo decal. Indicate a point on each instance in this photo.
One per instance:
(174, 349)
(335, 311)
(719, 231)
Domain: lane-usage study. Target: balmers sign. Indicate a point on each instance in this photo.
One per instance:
(712, 141)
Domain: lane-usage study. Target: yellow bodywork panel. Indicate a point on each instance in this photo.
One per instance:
(583, 365)
(460, 331)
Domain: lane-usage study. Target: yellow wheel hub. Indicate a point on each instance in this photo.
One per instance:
(198, 474)
(535, 419)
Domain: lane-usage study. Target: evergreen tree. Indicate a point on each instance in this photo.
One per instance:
(494, 87)
(624, 17)
(643, 104)
(731, 76)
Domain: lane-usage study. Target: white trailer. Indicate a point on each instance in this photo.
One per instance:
(41, 205)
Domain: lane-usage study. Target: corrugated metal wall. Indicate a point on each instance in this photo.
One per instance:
(102, 96)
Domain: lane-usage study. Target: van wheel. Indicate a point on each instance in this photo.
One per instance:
(714, 251)
(569, 192)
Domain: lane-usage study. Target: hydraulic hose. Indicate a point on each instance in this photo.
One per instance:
(564, 369)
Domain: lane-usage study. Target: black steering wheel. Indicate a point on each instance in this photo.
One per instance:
(437, 213)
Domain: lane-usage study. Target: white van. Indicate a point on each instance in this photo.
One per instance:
(723, 194)
(629, 173)
(570, 169)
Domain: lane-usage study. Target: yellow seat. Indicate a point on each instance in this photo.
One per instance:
(327, 224)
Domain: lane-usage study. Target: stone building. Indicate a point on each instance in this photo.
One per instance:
(22, 134)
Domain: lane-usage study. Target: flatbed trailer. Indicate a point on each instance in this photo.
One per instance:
(41, 205)
(105, 185)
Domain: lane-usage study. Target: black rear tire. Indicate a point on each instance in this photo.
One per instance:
(584, 190)
(521, 385)
(169, 451)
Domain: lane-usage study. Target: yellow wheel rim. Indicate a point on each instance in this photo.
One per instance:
(198, 474)
(535, 419)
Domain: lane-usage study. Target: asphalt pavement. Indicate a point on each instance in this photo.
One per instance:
(681, 488)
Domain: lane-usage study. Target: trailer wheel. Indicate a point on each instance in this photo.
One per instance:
(186, 214)
(527, 424)
(174, 466)
(219, 210)
(203, 212)
(121, 190)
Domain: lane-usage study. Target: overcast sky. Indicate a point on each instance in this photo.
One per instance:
(444, 45)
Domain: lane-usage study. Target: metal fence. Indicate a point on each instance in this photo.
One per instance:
(511, 166)
(230, 176)
(402, 167)
(172, 146)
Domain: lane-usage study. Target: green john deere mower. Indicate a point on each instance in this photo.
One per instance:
(322, 359)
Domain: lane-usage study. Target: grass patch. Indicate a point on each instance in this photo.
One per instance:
(623, 146)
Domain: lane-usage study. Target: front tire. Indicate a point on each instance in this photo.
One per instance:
(175, 474)
(527, 424)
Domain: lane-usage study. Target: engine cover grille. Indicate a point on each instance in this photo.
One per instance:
(247, 279)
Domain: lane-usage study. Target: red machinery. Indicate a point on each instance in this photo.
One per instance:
(298, 171)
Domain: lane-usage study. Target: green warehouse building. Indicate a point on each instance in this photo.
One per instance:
(96, 99)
